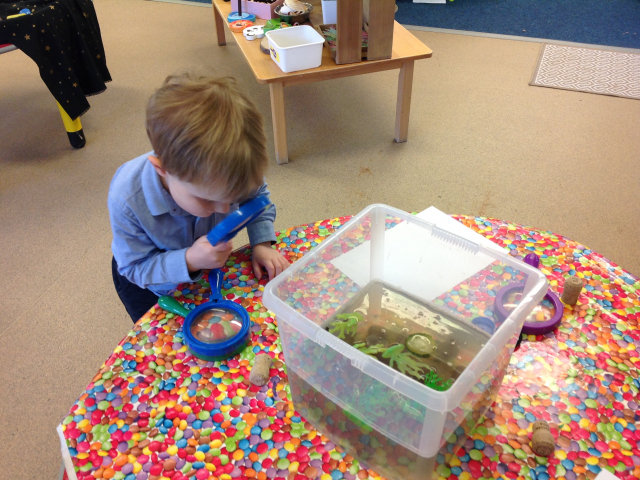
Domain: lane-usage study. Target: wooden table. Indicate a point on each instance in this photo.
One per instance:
(406, 49)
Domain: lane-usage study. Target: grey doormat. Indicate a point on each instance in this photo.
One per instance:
(588, 70)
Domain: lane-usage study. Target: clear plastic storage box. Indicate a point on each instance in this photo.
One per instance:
(404, 275)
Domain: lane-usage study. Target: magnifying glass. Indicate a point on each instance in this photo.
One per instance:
(229, 227)
(544, 317)
(215, 330)
(218, 329)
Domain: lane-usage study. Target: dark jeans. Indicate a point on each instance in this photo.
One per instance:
(135, 299)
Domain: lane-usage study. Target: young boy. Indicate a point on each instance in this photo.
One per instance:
(208, 157)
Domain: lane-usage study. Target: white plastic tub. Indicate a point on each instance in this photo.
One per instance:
(296, 48)
(392, 423)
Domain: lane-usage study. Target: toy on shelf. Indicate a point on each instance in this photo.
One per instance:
(251, 33)
(238, 15)
(293, 11)
(294, 7)
(274, 24)
(235, 16)
(239, 26)
(264, 9)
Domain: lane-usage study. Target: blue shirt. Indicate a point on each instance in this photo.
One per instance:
(151, 233)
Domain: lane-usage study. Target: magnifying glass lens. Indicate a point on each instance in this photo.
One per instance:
(216, 325)
(542, 312)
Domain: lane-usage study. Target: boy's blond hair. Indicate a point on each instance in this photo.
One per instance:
(204, 131)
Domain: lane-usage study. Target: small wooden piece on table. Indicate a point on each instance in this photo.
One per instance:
(572, 288)
(378, 22)
(542, 441)
(260, 371)
(349, 27)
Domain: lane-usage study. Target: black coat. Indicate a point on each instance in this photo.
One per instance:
(63, 38)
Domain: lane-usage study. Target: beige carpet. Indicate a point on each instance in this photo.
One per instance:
(481, 142)
(588, 70)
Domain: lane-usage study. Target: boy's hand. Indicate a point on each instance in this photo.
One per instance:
(270, 259)
(203, 256)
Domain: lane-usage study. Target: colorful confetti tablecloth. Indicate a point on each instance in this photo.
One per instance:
(155, 412)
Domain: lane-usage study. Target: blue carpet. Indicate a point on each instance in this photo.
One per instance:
(614, 23)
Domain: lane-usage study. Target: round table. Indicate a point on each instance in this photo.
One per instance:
(154, 411)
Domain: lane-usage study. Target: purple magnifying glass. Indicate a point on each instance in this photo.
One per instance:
(544, 317)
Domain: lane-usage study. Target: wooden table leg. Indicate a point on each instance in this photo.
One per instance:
(279, 123)
(219, 26)
(405, 82)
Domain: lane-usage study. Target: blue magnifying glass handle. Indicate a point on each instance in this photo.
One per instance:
(215, 280)
(229, 227)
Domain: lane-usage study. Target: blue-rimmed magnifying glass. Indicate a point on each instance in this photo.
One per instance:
(219, 328)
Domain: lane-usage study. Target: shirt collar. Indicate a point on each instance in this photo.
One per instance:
(158, 199)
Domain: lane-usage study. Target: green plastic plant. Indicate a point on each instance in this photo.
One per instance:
(405, 362)
(347, 324)
(433, 380)
(331, 36)
(331, 33)
(361, 424)
(372, 350)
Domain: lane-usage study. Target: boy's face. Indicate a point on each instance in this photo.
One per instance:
(198, 200)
